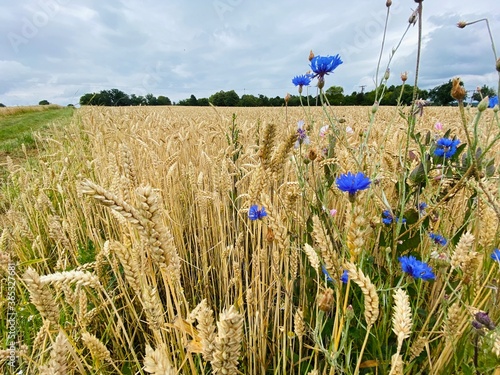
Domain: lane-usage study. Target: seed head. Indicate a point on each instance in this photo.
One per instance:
(461, 24)
(325, 300)
(404, 76)
(388, 3)
(457, 91)
(311, 55)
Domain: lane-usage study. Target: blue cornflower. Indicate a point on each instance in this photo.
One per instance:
(387, 218)
(322, 65)
(438, 239)
(421, 208)
(493, 101)
(301, 135)
(446, 147)
(345, 277)
(496, 255)
(416, 268)
(325, 272)
(255, 213)
(301, 81)
(352, 183)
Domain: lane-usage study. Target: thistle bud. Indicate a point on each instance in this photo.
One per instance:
(388, 3)
(483, 104)
(404, 76)
(311, 55)
(375, 107)
(461, 24)
(498, 65)
(287, 98)
(457, 91)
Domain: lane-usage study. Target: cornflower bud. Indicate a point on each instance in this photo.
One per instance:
(388, 3)
(287, 98)
(498, 65)
(311, 55)
(404, 76)
(457, 91)
(483, 104)
(387, 74)
(461, 24)
(321, 82)
(413, 17)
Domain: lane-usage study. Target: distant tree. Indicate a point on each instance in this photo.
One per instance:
(225, 99)
(2, 105)
(263, 101)
(137, 100)
(203, 102)
(192, 100)
(118, 98)
(217, 99)
(441, 95)
(276, 101)
(335, 95)
(87, 99)
(484, 91)
(43, 102)
(151, 99)
(163, 100)
(248, 100)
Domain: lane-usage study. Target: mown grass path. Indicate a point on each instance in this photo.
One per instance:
(18, 128)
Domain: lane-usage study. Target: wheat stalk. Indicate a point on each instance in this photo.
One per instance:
(69, 277)
(228, 342)
(156, 362)
(369, 292)
(58, 363)
(41, 296)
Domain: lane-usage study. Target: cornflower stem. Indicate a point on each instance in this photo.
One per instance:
(464, 123)
(324, 99)
(365, 139)
(381, 51)
(419, 49)
(302, 105)
(360, 358)
(372, 117)
(395, 49)
(492, 46)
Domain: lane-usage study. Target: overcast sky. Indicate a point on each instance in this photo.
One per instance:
(59, 50)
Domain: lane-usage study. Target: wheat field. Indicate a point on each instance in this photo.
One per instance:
(132, 250)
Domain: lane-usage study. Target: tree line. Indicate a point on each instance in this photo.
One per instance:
(388, 95)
